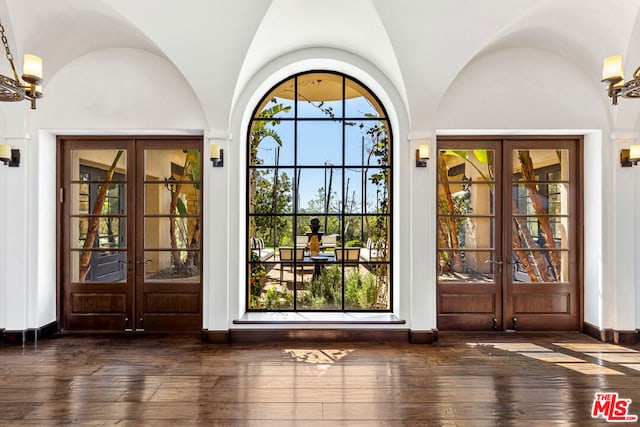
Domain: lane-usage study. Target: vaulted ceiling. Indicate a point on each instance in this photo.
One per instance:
(422, 46)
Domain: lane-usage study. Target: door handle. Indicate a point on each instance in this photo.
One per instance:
(497, 262)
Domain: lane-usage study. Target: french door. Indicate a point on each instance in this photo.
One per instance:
(130, 234)
(508, 238)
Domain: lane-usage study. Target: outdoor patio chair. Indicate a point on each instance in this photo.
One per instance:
(286, 259)
(302, 241)
(329, 241)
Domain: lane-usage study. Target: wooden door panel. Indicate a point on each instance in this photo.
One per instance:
(103, 282)
(543, 211)
(516, 266)
(469, 290)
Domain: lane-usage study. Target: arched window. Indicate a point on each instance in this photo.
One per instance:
(319, 197)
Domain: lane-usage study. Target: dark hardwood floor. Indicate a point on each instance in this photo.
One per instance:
(470, 379)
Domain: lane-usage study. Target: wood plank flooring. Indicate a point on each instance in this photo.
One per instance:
(463, 379)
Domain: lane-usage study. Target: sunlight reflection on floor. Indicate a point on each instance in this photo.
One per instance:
(316, 356)
(609, 353)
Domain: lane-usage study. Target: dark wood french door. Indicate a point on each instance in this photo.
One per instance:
(130, 234)
(508, 235)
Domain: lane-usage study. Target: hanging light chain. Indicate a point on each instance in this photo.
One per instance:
(8, 52)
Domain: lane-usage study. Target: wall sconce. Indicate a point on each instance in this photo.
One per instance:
(422, 155)
(9, 156)
(630, 157)
(217, 156)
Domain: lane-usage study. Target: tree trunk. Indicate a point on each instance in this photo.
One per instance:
(94, 221)
(175, 254)
(528, 173)
(520, 230)
(450, 222)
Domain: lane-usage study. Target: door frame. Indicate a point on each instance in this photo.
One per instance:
(134, 242)
(577, 212)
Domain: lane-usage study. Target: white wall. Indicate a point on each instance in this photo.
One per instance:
(130, 91)
(107, 92)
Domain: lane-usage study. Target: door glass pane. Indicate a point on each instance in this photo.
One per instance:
(470, 232)
(172, 199)
(185, 231)
(172, 266)
(541, 199)
(98, 165)
(84, 198)
(172, 165)
(98, 266)
(541, 165)
(466, 198)
(540, 215)
(466, 266)
(103, 233)
(171, 218)
(464, 166)
(540, 266)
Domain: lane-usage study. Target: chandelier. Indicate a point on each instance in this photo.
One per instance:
(613, 74)
(29, 88)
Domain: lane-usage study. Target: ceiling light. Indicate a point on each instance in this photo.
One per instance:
(29, 88)
(613, 74)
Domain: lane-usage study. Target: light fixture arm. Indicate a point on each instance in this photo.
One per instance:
(16, 89)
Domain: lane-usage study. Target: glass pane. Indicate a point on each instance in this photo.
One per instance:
(85, 199)
(309, 225)
(360, 102)
(272, 191)
(465, 266)
(158, 232)
(541, 165)
(469, 232)
(540, 266)
(272, 143)
(172, 199)
(172, 266)
(466, 165)
(465, 199)
(168, 165)
(533, 232)
(319, 143)
(98, 165)
(102, 232)
(540, 199)
(312, 196)
(320, 95)
(366, 143)
(279, 103)
(269, 277)
(376, 245)
(331, 226)
(98, 266)
(376, 187)
(324, 292)
(354, 231)
(361, 288)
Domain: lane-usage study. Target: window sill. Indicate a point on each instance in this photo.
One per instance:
(318, 318)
